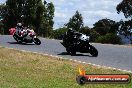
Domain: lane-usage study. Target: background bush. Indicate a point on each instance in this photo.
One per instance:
(109, 38)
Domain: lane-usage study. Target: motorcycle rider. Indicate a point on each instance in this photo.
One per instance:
(75, 41)
(19, 28)
(72, 37)
(21, 31)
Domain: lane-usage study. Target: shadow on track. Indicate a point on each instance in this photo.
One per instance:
(65, 53)
(21, 43)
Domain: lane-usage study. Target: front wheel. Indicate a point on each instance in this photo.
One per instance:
(16, 38)
(93, 51)
(37, 41)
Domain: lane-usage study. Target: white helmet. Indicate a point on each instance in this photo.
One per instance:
(19, 24)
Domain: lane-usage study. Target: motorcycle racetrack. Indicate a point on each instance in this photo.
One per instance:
(114, 56)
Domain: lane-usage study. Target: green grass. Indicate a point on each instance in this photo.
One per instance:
(28, 70)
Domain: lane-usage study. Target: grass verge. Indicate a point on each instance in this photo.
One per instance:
(28, 70)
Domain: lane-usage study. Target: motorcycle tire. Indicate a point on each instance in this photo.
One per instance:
(93, 51)
(15, 37)
(37, 41)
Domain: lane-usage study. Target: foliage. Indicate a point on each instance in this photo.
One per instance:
(105, 26)
(93, 35)
(30, 12)
(85, 30)
(3, 11)
(126, 7)
(105, 30)
(48, 18)
(109, 38)
(76, 22)
(44, 19)
(125, 29)
(1, 27)
(58, 33)
(126, 26)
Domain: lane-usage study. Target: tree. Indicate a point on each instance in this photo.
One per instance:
(93, 35)
(126, 26)
(126, 7)
(1, 27)
(85, 30)
(76, 22)
(48, 18)
(59, 33)
(2, 20)
(109, 38)
(39, 18)
(3, 9)
(125, 29)
(105, 26)
(28, 11)
(106, 30)
(44, 18)
(14, 12)
(21, 11)
(35, 13)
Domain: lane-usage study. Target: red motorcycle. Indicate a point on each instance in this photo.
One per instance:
(27, 36)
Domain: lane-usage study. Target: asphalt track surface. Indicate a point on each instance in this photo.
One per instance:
(114, 56)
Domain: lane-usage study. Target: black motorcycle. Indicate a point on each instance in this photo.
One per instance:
(29, 37)
(78, 42)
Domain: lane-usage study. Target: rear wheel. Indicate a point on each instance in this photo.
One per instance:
(93, 51)
(37, 41)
